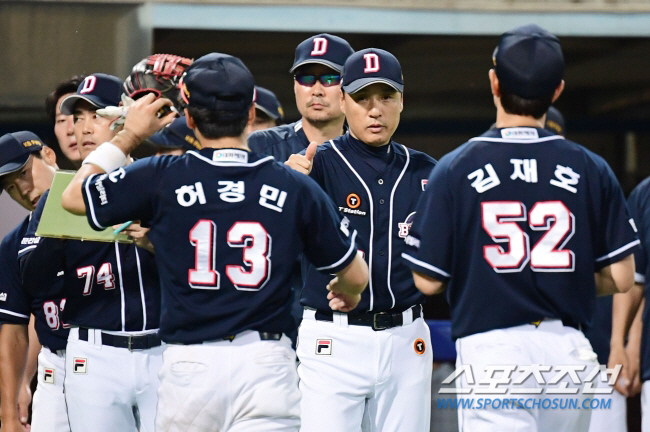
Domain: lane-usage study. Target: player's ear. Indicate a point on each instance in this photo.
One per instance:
(494, 83)
(48, 156)
(342, 101)
(189, 121)
(401, 102)
(558, 91)
(251, 114)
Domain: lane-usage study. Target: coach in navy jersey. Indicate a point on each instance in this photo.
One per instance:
(316, 70)
(516, 222)
(227, 226)
(26, 172)
(375, 182)
(112, 299)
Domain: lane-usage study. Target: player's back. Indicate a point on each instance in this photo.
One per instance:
(227, 227)
(533, 219)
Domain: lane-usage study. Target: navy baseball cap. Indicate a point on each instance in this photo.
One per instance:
(176, 135)
(555, 121)
(325, 49)
(15, 149)
(529, 62)
(268, 103)
(219, 82)
(98, 89)
(370, 66)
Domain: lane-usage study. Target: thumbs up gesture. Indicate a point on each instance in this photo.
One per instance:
(302, 163)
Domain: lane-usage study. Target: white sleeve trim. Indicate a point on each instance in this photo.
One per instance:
(346, 256)
(23, 250)
(8, 312)
(425, 265)
(90, 202)
(619, 250)
(639, 278)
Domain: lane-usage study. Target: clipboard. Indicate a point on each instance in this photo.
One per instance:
(59, 223)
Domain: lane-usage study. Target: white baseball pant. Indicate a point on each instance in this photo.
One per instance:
(49, 413)
(354, 378)
(548, 344)
(243, 385)
(109, 389)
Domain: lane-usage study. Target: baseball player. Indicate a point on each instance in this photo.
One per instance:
(375, 182)
(227, 226)
(268, 111)
(516, 222)
(26, 171)
(634, 305)
(68, 157)
(316, 71)
(112, 299)
(175, 139)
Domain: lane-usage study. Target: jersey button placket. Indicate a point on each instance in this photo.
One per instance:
(380, 181)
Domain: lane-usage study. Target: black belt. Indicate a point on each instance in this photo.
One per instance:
(263, 336)
(378, 321)
(132, 343)
(571, 323)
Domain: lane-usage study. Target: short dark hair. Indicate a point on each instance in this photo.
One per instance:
(212, 125)
(64, 87)
(517, 105)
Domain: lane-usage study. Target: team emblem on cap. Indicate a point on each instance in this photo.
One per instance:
(419, 346)
(372, 63)
(320, 46)
(323, 346)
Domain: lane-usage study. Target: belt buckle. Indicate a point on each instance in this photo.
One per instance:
(376, 326)
(129, 343)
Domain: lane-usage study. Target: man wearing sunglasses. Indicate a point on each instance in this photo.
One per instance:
(317, 84)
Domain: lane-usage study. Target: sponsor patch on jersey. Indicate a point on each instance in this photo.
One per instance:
(80, 365)
(48, 375)
(405, 227)
(424, 182)
(353, 202)
(419, 346)
(520, 133)
(323, 346)
(240, 156)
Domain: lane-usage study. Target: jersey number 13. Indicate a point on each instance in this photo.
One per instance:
(256, 245)
(500, 220)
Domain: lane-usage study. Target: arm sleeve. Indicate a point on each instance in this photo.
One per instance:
(329, 239)
(429, 242)
(14, 302)
(616, 237)
(125, 194)
(636, 205)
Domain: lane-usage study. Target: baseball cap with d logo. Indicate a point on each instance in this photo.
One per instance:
(326, 49)
(98, 89)
(370, 66)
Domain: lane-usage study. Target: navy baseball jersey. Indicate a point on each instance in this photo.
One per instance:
(377, 189)
(518, 220)
(639, 205)
(227, 226)
(16, 304)
(280, 141)
(107, 286)
(599, 331)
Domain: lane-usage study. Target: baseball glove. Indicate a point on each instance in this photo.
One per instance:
(159, 74)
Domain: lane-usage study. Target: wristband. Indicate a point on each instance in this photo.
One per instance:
(107, 156)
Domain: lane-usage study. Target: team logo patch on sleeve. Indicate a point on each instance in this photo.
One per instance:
(79, 365)
(419, 346)
(323, 346)
(424, 182)
(48, 375)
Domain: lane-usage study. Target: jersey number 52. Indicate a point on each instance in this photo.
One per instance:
(500, 220)
(256, 245)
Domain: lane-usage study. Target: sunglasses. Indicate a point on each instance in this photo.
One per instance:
(326, 80)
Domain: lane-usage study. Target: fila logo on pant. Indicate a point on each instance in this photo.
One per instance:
(324, 347)
(79, 365)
